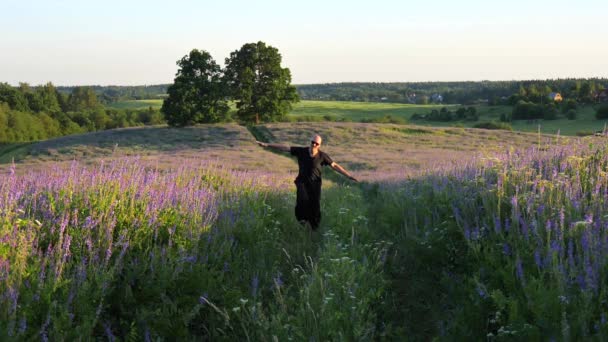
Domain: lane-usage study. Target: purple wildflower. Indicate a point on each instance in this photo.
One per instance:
(22, 325)
(202, 300)
(506, 249)
(497, 225)
(519, 270)
(255, 282)
(278, 280)
(538, 258)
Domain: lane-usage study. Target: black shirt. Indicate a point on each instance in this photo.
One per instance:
(310, 167)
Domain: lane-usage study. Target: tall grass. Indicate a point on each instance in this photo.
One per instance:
(126, 251)
(513, 247)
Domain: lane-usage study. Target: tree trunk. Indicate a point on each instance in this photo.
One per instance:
(257, 118)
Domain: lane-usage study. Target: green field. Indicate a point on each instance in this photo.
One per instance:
(358, 111)
(452, 234)
(368, 111)
(136, 104)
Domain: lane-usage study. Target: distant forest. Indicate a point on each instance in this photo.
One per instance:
(492, 92)
(37, 113)
(112, 93)
(29, 113)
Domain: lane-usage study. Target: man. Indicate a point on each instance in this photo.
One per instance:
(308, 182)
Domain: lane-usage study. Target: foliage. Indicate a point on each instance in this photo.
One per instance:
(507, 248)
(493, 125)
(602, 112)
(531, 264)
(81, 99)
(30, 114)
(219, 250)
(445, 115)
(531, 111)
(569, 105)
(260, 86)
(111, 94)
(505, 117)
(198, 94)
(494, 92)
(386, 119)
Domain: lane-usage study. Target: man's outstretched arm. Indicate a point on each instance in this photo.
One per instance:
(279, 147)
(343, 171)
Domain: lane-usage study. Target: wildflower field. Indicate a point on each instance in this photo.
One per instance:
(511, 244)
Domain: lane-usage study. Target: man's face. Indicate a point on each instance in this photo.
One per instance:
(315, 142)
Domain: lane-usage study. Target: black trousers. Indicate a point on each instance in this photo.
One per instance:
(308, 202)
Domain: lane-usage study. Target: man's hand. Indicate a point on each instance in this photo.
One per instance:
(263, 144)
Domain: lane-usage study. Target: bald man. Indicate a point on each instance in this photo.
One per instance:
(308, 182)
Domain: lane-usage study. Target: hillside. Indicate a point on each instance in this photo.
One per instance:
(203, 219)
(373, 151)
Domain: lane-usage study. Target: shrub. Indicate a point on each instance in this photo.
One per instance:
(527, 111)
(385, 119)
(569, 105)
(505, 117)
(571, 114)
(602, 112)
(584, 133)
(549, 112)
(494, 125)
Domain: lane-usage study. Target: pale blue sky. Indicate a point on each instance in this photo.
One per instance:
(138, 42)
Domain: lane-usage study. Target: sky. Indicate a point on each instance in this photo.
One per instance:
(138, 42)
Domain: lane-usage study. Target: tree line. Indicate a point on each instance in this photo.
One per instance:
(467, 93)
(113, 93)
(253, 80)
(36, 113)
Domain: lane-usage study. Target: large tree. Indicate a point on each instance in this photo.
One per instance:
(82, 98)
(260, 86)
(197, 94)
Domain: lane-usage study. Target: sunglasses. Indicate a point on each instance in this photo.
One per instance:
(314, 143)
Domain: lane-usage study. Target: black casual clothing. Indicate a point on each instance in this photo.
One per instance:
(308, 184)
(308, 203)
(310, 168)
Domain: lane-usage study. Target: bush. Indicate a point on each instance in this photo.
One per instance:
(569, 105)
(571, 114)
(527, 111)
(602, 112)
(584, 133)
(385, 119)
(549, 112)
(505, 117)
(494, 125)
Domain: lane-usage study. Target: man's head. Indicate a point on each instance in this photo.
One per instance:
(315, 141)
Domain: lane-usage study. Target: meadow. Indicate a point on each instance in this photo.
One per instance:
(188, 234)
(307, 111)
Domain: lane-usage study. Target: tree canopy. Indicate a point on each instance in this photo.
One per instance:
(198, 94)
(258, 84)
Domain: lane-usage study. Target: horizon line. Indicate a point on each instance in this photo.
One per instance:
(601, 78)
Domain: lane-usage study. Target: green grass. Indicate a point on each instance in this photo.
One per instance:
(358, 111)
(585, 121)
(418, 260)
(367, 111)
(13, 152)
(136, 104)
